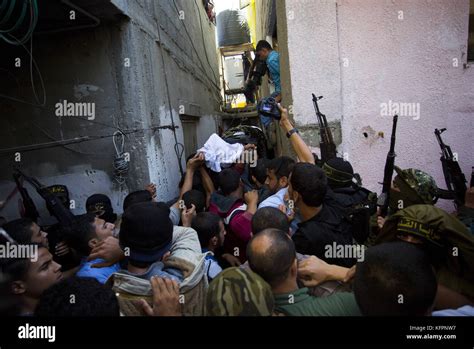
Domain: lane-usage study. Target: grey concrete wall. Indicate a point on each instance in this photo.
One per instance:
(127, 97)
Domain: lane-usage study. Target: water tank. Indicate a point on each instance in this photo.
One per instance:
(234, 73)
(232, 28)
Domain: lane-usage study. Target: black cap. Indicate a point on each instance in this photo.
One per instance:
(339, 172)
(147, 231)
(101, 205)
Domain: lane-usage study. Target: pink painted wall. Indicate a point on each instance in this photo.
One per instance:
(359, 54)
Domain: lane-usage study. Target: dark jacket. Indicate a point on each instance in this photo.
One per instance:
(359, 205)
(327, 227)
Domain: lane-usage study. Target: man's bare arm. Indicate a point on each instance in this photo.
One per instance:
(301, 149)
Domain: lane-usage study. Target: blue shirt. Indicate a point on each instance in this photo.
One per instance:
(212, 266)
(466, 310)
(273, 64)
(100, 274)
(275, 200)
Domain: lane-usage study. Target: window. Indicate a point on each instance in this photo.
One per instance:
(189, 124)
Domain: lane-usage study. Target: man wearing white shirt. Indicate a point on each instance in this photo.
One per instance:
(278, 173)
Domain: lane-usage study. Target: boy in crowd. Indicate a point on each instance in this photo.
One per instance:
(258, 176)
(86, 232)
(154, 247)
(211, 232)
(229, 204)
(30, 277)
(25, 231)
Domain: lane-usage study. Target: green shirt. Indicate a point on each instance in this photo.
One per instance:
(300, 303)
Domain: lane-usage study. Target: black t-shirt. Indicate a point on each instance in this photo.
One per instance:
(326, 228)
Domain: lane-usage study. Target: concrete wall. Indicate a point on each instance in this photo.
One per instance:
(91, 66)
(360, 54)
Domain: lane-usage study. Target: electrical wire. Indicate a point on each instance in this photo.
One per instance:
(97, 123)
(62, 143)
(9, 13)
(196, 51)
(65, 146)
(121, 165)
(179, 153)
(33, 22)
(18, 21)
(32, 62)
(3, 5)
(203, 41)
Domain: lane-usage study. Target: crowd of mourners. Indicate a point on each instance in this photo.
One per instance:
(288, 236)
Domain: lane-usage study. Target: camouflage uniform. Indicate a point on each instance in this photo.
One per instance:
(239, 292)
(416, 187)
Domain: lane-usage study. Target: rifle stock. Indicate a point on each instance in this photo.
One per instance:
(453, 176)
(384, 198)
(326, 144)
(62, 214)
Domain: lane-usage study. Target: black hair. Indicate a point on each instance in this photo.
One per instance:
(263, 44)
(260, 170)
(20, 230)
(281, 166)
(195, 197)
(229, 181)
(91, 298)
(310, 182)
(136, 197)
(274, 262)
(207, 226)
(269, 217)
(395, 279)
(80, 232)
(9, 304)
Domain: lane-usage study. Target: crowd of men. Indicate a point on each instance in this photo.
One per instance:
(287, 237)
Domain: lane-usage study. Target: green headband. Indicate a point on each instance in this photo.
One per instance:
(410, 226)
(336, 175)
